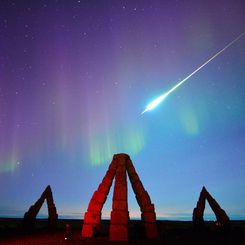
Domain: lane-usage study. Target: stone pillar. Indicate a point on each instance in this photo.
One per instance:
(198, 211)
(148, 214)
(92, 217)
(52, 213)
(223, 220)
(120, 214)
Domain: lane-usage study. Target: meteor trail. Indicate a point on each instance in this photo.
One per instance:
(159, 99)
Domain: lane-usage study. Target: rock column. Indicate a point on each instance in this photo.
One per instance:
(92, 217)
(222, 219)
(198, 211)
(148, 214)
(53, 216)
(119, 213)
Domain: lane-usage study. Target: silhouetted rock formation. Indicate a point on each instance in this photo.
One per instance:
(198, 212)
(30, 215)
(119, 214)
(221, 216)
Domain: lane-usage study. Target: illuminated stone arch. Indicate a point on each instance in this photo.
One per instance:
(120, 165)
(223, 220)
(30, 215)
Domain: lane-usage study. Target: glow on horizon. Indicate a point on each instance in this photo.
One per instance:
(159, 99)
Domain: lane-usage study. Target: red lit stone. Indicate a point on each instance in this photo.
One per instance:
(149, 216)
(118, 232)
(119, 205)
(120, 165)
(151, 231)
(119, 217)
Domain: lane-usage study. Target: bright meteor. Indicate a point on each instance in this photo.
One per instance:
(159, 99)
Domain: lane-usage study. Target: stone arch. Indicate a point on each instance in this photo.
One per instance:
(121, 165)
(30, 215)
(223, 220)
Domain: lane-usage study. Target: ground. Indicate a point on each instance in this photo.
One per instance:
(170, 233)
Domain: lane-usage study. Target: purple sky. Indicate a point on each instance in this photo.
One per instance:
(74, 78)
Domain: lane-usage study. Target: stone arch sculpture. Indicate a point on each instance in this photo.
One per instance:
(223, 220)
(30, 215)
(120, 165)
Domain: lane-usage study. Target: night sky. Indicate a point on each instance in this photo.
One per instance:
(74, 79)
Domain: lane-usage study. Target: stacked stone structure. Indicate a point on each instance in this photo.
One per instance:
(120, 164)
(30, 215)
(119, 213)
(223, 220)
(147, 209)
